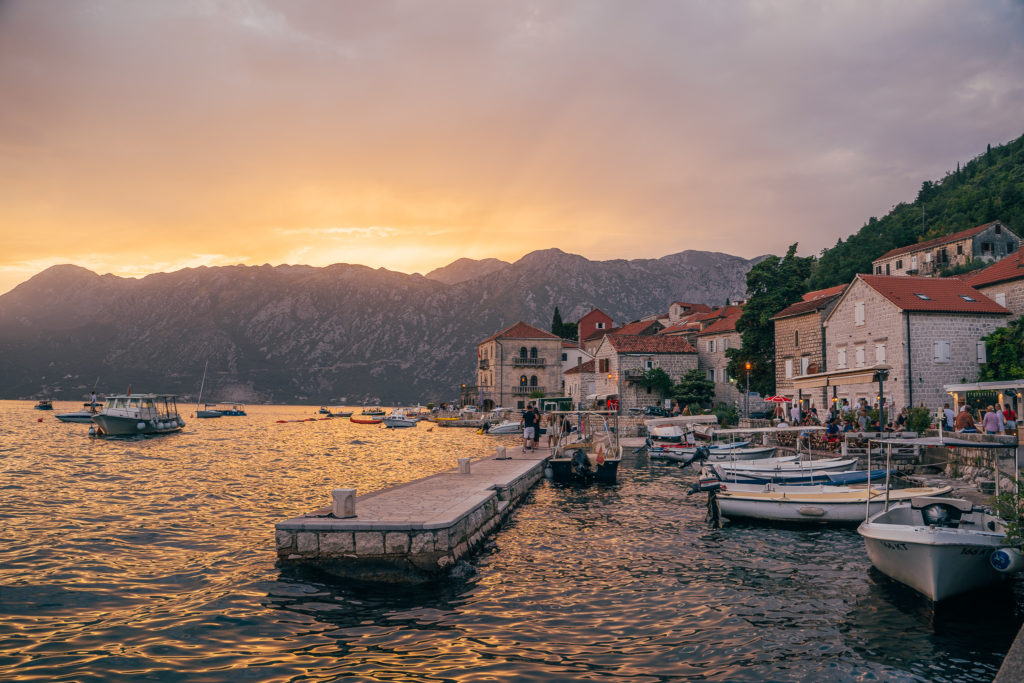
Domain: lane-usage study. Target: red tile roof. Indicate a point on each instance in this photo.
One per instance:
(649, 343)
(725, 324)
(569, 344)
(521, 331)
(684, 325)
(639, 327)
(824, 293)
(944, 295)
(928, 244)
(812, 301)
(589, 366)
(1009, 268)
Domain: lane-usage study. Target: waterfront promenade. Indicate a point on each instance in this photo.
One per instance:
(414, 532)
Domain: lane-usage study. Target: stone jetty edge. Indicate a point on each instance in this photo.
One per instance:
(406, 550)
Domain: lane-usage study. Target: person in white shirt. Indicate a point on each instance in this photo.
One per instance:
(950, 416)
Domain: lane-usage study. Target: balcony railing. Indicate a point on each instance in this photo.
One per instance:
(526, 390)
(528, 362)
(485, 363)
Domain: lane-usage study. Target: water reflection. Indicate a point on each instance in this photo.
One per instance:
(155, 559)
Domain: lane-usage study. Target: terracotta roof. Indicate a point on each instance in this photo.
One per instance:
(824, 293)
(821, 298)
(681, 326)
(938, 294)
(649, 343)
(937, 241)
(595, 310)
(521, 331)
(600, 333)
(639, 327)
(589, 366)
(725, 324)
(1009, 268)
(569, 344)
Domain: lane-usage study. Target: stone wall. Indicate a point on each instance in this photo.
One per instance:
(716, 362)
(631, 394)
(807, 330)
(1013, 294)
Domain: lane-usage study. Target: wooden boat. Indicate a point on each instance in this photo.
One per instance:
(588, 453)
(940, 547)
(817, 504)
(365, 420)
(131, 414)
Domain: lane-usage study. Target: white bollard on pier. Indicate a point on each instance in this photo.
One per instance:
(463, 465)
(501, 453)
(344, 503)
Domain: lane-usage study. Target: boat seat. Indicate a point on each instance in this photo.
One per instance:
(942, 512)
(957, 503)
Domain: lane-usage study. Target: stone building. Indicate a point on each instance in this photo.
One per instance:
(989, 242)
(517, 362)
(800, 343)
(712, 343)
(621, 361)
(579, 383)
(679, 310)
(1003, 282)
(923, 332)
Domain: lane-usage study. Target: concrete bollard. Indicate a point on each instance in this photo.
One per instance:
(344, 504)
(463, 465)
(501, 453)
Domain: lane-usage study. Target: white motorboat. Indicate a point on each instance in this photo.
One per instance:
(940, 547)
(399, 418)
(589, 453)
(729, 454)
(776, 464)
(669, 433)
(83, 416)
(813, 504)
(503, 427)
(131, 414)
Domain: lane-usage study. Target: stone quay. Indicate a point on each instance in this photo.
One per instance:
(415, 532)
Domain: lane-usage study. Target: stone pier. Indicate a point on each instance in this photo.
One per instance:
(415, 532)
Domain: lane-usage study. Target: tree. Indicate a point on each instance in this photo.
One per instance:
(772, 285)
(657, 380)
(1004, 352)
(694, 387)
(556, 323)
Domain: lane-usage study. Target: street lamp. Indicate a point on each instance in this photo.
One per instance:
(746, 398)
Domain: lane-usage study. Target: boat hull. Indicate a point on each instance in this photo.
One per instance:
(845, 507)
(80, 417)
(397, 422)
(605, 473)
(937, 562)
(113, 425)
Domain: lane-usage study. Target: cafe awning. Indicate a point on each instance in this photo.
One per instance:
(839, 377)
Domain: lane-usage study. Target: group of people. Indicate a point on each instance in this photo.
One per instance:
(991, 421)
(531, 422)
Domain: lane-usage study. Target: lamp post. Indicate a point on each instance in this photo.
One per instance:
(881, 375)
(746, 396)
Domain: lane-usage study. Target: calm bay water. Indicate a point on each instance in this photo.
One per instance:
(154, 560)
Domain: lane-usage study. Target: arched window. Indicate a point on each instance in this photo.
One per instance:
(522, 352)
(533, 352)
(522, 380)
(533, 380)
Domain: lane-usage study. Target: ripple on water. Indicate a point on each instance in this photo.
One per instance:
(154, 558)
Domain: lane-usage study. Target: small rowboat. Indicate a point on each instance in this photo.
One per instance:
(365, 420)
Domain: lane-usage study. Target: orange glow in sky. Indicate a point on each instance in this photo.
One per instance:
(145, 137)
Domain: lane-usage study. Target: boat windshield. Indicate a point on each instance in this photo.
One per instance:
(120, 403)
(147, 403)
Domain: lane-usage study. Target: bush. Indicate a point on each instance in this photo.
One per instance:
(919, 419)
(726, 414)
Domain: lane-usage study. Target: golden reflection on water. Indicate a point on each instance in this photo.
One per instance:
(154, 558)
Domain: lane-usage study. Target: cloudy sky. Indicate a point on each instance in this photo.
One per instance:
(137, 137)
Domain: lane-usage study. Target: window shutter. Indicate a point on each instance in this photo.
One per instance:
(789, 368)
(982, 357)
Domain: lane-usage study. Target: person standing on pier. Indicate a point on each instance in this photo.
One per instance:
(528, 422)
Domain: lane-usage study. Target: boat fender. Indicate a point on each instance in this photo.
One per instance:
(549, 473)
(141, 425)
(811, 511)
(181, 423)
(92, 431)
(1007, 560)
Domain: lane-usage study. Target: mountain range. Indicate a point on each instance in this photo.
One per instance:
(342, 333)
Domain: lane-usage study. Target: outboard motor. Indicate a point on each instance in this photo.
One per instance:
(700, 456)
(941, 515)
(580, 464)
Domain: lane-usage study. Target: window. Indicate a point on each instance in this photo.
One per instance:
(711, 375)
(725, 343)
(1011, 247)
(796, 338)
(648, 365)
(860, 356)
(1001, 298)
(982, 357)
(899, 264)
(923, 297)
(599, 326)
(711, 346)
(565, 357)
(533, 352)
(522, 380)
(941, 351)
(878, 270)
(879, 353)
(960, 248)
(520, 404)
(805, 362)
(533, 380)
(725, 375)
(789, 368)
(999, 229)
(913, 262)
(928, 257)
(841, 358)
(886, 268)
(602, 365)
(858, 313)
(986, 248)
(967, 298)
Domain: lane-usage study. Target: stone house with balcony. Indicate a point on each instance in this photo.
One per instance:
(922, 333)
(800, 343)
(620, 363)
(1003, 282)
(579, 382)
(517, 362)
(712, 343)
(990, 242)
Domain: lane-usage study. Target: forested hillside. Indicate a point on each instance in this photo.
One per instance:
(989, 187)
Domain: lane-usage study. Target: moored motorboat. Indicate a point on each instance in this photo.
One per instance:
(399, 418)
(813, 504)
(589, 452)
(365, 420)
(209, 411)
(233, 410)
(503, 427)
(940, 547)
(132, 414)
(44, 404)
(373, 412)
(83, 416)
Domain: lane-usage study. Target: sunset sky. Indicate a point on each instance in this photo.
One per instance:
(138, 137)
